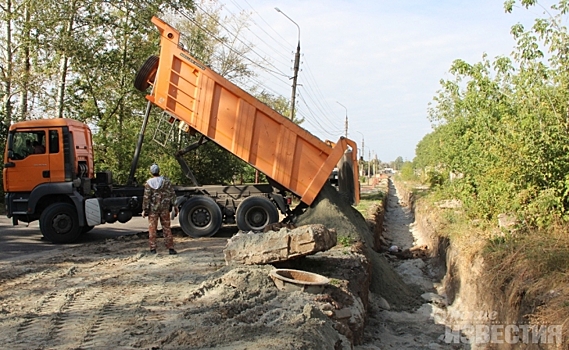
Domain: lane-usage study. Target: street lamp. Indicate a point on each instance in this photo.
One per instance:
(296, 64)
(346, 117)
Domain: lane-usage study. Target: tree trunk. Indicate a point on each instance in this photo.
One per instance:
(64, 63)
(8, 66)
(27, 66)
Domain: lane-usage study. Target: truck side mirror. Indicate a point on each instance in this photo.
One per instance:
(10, 154)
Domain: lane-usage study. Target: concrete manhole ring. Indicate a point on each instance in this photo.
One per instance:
(290, 280)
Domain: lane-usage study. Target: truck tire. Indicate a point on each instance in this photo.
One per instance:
(200, 216)
(256, 212)
(86, 229)
(59, 223)
(146, 73)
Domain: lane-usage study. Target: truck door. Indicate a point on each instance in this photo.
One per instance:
(27, 163)
(56, 159)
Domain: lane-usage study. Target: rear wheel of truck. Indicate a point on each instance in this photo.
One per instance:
(200, 216)
(59, 223)
(147, 73)
(254, 213)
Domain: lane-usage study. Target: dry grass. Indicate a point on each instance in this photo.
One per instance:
(535, 266)
(527, 271)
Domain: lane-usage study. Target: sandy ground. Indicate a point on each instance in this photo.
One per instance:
(113, 294)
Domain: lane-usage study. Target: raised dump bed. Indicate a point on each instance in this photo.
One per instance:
(240, 123)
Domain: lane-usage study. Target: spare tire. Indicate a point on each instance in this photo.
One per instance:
(147, 73)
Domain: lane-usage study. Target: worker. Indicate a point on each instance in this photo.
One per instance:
(38, 148)
(29, 148)
(159, 199)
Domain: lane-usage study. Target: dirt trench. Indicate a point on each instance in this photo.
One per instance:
(416, 321)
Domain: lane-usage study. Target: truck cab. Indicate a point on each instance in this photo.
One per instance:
(46, 151)
(47, 161)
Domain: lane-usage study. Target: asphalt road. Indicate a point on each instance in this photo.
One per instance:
(23, 239)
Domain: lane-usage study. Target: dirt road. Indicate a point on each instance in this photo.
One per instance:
(26, 239)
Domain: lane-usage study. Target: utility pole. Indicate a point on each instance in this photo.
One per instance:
(369, 168)
(376, 165)
(363, 154)
(346, 124)
(363, 148)
(295, 69)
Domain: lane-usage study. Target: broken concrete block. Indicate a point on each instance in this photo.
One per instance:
(383, 304)
(434, 298)
(342, 313)
(270, 247)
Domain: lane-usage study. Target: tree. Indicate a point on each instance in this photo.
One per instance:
(397, 163)
(503, 124)
(77, 60)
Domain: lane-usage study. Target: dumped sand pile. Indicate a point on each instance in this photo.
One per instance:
(331, 210)
(114, 295)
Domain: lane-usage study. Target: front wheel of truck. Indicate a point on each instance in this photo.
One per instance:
(59, 223)
(200, 216)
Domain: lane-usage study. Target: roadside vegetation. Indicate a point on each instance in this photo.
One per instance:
(500, 147)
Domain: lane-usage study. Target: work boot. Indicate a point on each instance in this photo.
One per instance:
(152, 251)
(172, 251)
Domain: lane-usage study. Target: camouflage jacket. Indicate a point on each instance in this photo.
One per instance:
(159, 195)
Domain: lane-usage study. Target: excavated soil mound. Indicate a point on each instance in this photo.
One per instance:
(115, 295)
(331, 209)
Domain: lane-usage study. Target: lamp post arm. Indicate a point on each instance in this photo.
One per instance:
(296, 67)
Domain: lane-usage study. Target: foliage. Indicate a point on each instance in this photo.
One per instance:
(77, 60)
(407, 172)
(345, 241)
(397, 163)
(503, 125)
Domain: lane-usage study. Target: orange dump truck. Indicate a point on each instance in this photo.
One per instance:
(49, 174)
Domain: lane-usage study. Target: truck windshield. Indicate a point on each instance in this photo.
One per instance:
(25, 143)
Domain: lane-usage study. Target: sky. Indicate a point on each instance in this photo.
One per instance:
(377, 62)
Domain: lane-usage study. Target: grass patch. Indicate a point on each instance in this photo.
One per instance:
(367, 200)
(537, 264)
(345, 241)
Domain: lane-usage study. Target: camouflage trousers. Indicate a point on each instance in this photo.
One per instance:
(166, 231)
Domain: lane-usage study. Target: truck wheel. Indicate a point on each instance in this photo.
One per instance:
(200, 216)
(59, 223)
(86, 229)
(146, 73)
(256, 212)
